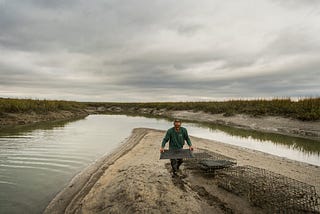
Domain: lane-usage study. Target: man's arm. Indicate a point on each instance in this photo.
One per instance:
(165, 140)
(186, 137)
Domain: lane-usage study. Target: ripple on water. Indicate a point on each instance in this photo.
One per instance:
(15, 206)
(7, 182)
(7, 166)
(47, 160)
(76, 156)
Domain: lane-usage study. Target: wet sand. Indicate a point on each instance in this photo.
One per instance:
(133, 180)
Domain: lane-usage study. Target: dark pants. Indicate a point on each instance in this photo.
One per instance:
(175, 164)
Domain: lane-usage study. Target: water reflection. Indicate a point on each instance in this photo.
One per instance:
(307, 146)
(22, 130)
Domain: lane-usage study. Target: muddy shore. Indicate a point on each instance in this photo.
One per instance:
(133, 180)
(267, 124)
(18, 120)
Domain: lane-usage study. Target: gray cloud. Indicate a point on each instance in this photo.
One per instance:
(139, 50)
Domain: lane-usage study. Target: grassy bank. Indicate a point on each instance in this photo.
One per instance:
(8, 105)
(16, 113)
(304, 109)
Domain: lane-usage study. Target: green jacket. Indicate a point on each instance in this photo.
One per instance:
(176, 139)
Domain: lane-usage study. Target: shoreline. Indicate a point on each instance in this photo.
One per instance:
(133, 179)
(266, 124)
(12, 121)
(81, 183)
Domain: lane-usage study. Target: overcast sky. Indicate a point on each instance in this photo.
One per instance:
(159, 50)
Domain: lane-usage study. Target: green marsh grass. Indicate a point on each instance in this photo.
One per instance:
(304, 109)
(9, 105)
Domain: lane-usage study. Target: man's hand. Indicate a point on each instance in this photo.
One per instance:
(191, 148)
(161, 149)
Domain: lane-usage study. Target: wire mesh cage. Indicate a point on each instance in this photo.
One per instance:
(208, 161)
(273, 192)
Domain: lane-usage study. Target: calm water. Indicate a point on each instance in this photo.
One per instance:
(36, 163)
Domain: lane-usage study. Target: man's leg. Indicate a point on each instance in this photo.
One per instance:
(174, 165)
(179, 162)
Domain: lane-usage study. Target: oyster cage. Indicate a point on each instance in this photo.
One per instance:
(274, 193)
(208, 161)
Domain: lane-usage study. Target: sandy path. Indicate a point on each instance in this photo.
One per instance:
(133, 179)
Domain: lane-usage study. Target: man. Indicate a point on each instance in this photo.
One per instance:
(176, 136)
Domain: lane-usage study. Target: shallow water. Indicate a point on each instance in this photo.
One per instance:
(36, 163)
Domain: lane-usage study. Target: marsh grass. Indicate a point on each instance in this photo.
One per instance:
(8, 105)
(303, 109)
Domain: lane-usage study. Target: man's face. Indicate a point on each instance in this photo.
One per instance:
(177, 125)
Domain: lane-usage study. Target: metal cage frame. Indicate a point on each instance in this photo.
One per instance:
(271, 191)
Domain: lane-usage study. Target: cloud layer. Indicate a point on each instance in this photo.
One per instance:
(130, 50)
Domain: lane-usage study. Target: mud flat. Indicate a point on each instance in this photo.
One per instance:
(267, 124)
(18, 120)
(133, 180)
